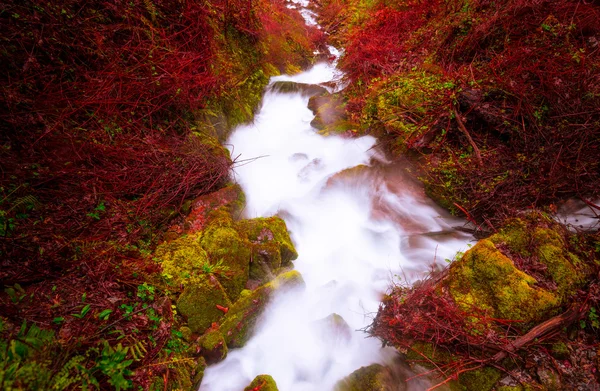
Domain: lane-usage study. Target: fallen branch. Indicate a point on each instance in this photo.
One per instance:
(461, 126)
(542, 329)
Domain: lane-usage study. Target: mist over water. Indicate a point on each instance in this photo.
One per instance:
(355, 232)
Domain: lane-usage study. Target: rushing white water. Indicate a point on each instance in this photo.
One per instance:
(354, 232)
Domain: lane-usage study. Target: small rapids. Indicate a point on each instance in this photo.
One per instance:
(359, 224)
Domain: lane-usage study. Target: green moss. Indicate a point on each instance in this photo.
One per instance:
(225, 247)
(182, 260)
(198, 303)
(486, 279)
(482, 379)
(514, 234)
(371, 378)
(424, 352)
(198, 373)
(262, 383)
(213, 346)
(186, 333)
(560, 351)
(272, 247)
(538, 237)
(238, 325)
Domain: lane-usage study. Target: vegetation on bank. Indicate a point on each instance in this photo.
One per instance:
(499, 100)
(498, 103)
(110, 119)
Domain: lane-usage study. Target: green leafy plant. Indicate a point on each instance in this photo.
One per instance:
(83, 312)
(113, 364)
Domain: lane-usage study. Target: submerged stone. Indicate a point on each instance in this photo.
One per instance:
(238, 325)
(262, 383)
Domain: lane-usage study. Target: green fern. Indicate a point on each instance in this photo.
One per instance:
(24, 204)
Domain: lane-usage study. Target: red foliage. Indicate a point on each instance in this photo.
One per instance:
(380, 46)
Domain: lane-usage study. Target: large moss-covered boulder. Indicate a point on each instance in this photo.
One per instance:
(541, 244)
(228, 251)
(198, 304)
(272, 247)
(488, 280)
(375, 377)
(262, 383)
(183, 260)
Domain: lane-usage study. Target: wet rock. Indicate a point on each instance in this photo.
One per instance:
(334, 330)
(262, 383)
(198, 304)
(375, 377)
(293, 87)
(238, 325)
(213, 346)
(272, 247)
(330, 115)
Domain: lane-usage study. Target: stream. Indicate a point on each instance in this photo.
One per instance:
(356, 232)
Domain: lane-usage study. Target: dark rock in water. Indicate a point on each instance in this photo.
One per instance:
(262, 383)
(290, 87)
(375, 377)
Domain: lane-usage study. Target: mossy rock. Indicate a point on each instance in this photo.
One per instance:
(199, 373)
(272, 247)
(483, 379)
(333, 330)
(228, 252)
(486, 279)
(290, 87)
(182, 260)
(375, 377)
(238, 325)
(262, 383)
(198, 304)
(230, 200)
(536, 238)
(213, 346)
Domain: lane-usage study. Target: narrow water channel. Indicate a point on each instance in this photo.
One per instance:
(356, 231)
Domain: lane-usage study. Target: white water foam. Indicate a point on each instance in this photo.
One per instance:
(353, 233)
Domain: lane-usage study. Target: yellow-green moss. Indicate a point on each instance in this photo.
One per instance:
(371, 378)
(262, 383)
(272, 247)
(484, 278)
(213, 346)
(198, 303)
(538, 238)
(482, 379)
(199, 373)
(268, 229)
(225, 247)
(182, 260)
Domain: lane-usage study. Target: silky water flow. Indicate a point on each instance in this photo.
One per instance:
(357, 231)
